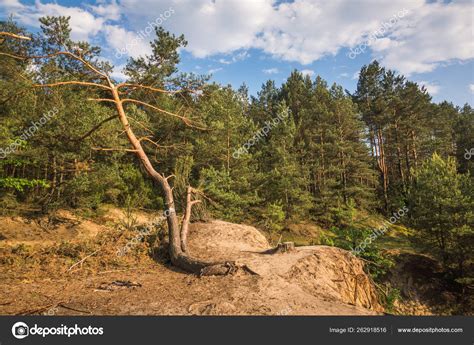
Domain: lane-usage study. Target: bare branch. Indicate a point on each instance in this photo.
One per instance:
(9, 34)
(142, 125)
(66, 53)
(150, 141)
(168, 177)
(72, 82)
(81, 261)
(101, 100)
(187, 217)
(12, 56)
(135, 86)
(96, 127)
(113, 149)
(186, 121)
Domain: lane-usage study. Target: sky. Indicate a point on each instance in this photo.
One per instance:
(251, 41)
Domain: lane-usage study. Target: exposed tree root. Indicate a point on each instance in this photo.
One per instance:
(204, 268)
(284, 247)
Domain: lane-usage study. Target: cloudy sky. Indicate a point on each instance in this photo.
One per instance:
(431, 42)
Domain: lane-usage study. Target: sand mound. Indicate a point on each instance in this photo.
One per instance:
(335, 273)
(308, 280)
(45, 230)
(222, 240)
(313, 280)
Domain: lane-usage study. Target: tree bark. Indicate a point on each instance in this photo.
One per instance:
(380, 153)
(187, 218)
(399, 158)
(178, 257)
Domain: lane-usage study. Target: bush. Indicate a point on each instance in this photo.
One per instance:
(274, 217)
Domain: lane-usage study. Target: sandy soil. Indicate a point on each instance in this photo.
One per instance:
(316, 280)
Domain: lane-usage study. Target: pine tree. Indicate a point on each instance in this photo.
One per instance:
(442, 211)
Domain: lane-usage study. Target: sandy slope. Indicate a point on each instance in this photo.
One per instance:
(310, 280)
(316, 280)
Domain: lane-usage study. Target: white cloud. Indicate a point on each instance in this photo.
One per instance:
(270, 71)
(235, 58)
(306, 30)
(431, 87)
(126, 43)
(430, 35)
(210, 27)
(214, 70)
(110, 11)
(307, 72)
(471, 88)
(84, 25)
(12, 4)
(118, 73)
(433, 34)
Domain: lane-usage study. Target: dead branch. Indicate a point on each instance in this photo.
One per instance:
(13, 56)
(177, 255)
(84, 259)
(123, 270)
(38, 309)
(101, 99)
(187, 217)
(113, 149)
(147, 138)
(61, 304)
(65, 53)
(150, 88)
(170, 176)
(96, 127)
(142, 125)
(185, 120)
(84, 83)
(9, 34)
(135, 86)
(202, 194)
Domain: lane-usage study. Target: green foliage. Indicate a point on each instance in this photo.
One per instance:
(20, 184)
(274, 217)
(318, 156)
(391, 297)
(161, 63)
(442, 211)
(351, 233)
(130, 221)
(221, 189)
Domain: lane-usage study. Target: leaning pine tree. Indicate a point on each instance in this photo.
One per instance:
(144, 73)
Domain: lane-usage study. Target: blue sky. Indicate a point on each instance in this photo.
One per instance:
(250, 41)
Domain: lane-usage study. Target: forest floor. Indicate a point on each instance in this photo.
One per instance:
(68, 265)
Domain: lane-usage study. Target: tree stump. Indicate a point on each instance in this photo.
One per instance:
(285, 247)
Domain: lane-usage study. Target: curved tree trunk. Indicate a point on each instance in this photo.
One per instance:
(177, 246)
(178, 257)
